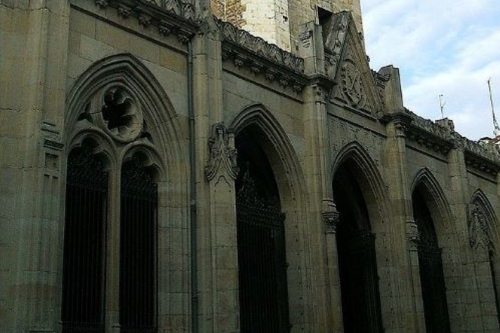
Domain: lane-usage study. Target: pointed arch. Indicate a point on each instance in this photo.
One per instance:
(127, 71)
(257, 130)
(436, 246)
(479, 198)
(280, 147)
(435, 197)
(373, 185)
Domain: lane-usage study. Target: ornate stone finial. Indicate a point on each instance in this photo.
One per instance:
(478, 229)
(412, 233)
(331, 217)
(222, 153)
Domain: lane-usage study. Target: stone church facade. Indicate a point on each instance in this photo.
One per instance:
(163, 170)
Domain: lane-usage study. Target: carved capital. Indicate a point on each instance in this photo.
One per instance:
(222, 153)
(320, 94)
(400, 129)
(331, 217)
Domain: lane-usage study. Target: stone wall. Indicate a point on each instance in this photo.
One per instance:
(57, 59)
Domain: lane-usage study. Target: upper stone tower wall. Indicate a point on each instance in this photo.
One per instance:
(278, 21)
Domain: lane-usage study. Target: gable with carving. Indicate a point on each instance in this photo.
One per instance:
(346, 62)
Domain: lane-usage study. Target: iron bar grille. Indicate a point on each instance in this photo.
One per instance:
(139, 201)
(84, 237)
(262, 263)
(359, 281)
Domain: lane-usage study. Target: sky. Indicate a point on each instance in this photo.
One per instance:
(448, 47)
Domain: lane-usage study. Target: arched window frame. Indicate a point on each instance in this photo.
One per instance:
(163, 143)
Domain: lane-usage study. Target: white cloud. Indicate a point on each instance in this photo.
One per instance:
(446, 47)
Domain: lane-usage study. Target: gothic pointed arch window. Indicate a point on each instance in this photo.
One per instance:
(112, 209)
(84, 242)
(430, 265)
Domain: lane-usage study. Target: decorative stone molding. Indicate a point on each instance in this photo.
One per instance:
(124, 11)
(254, 53)
(170, 16)
(222, 153)
(334, 43)
(478, 229)
(331, 217)
(145, 20)
(441, 137)
(101, 3)
(401, 122)
(260, 47)
(381, 81)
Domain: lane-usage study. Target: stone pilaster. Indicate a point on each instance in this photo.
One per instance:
(407, 306)
(34, 43)
(317, 174)
(216, 208)
(405, 298)
(221, 172)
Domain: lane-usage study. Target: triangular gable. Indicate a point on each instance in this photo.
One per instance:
(347, 64)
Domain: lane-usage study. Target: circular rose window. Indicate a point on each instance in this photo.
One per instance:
(121, 115)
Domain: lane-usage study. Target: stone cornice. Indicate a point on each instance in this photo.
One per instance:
(483, 157)
(261, 57)
(168, 16)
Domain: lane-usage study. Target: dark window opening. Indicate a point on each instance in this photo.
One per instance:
(84, 238)
(357, 257)
(139, 202)
(431, 268)
(261, 242)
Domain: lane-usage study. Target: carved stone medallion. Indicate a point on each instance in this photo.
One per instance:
(352, 85)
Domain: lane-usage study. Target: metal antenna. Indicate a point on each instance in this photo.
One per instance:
(495, 122)
(441, 105)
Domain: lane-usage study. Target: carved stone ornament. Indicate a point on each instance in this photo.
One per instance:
(331, 217)
(412, 233)
(478, 229)
(122, 115)
(101, 3)
(352, 85)
(320, 94)
(222, 153)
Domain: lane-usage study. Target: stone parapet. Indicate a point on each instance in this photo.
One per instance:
(484, 157)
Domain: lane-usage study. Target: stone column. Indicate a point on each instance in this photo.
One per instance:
(331, 221)
(112, 269)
